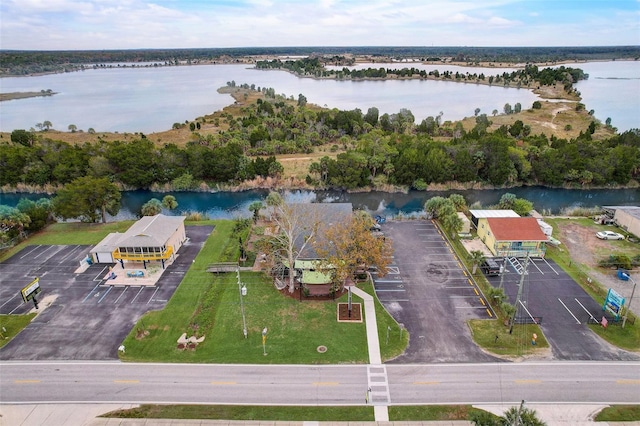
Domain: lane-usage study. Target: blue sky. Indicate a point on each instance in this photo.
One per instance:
(129, 24)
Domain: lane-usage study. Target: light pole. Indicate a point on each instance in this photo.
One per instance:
(242, 289)
(626, 312)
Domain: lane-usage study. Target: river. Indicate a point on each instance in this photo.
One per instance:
(229, 205)
(153, 99)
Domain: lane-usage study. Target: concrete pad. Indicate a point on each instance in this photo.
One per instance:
(57, 414)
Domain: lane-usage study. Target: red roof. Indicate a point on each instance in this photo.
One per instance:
(516, 229)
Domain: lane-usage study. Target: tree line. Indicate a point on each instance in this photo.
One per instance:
(135, 164)
(526, 76)
(378, 149)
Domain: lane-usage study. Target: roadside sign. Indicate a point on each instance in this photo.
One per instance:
(613, 303)
(30, 291)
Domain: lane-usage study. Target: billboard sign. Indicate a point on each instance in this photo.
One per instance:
(614, 303)
(30, 291)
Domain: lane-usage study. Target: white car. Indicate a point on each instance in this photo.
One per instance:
(609, 235)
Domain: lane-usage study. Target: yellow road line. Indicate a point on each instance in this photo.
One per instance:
(489, 312)
(224, 383)
(26, 381)
(527, 382)
(426, 383)
(126, 381)
(326, 383)
(628, 382)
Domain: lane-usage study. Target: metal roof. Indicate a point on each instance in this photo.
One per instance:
(151, 231)
(493, 213)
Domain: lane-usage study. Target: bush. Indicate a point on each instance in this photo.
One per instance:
(618, 261)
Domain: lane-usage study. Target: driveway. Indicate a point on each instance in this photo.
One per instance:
(81, 316)
(428, 292)
(563, 308)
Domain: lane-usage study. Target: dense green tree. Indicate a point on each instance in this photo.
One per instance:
(152, 207)
(87, 198)
(13, 223)
(169, 202)
(39, 212)
(23, 137)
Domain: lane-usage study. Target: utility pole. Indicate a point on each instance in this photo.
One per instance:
(626, 312)
(519, 296)
(243, 291)
(502, 272)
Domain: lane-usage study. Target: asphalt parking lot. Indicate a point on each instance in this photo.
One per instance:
(428, 291)
(87, 318)
(563, 309)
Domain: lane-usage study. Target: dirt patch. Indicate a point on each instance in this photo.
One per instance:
(582, 243)
(586, 251)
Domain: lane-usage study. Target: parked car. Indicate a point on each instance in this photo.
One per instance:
(490, 267)
(609, 235)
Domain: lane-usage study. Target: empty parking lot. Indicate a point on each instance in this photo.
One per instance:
(562, 307)
(429, 292)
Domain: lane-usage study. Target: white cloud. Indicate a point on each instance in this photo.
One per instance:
(103, 24)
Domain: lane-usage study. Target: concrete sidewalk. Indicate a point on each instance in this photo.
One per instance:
(87, 415)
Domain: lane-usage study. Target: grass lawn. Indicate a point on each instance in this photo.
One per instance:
(431, 412)
(11, 325)
(208, 305)
(244, 412)
(619, 413)
(518, 343)
(288, 413)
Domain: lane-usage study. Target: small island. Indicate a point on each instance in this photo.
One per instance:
(24, 95)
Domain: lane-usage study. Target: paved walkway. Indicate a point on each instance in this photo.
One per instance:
(378, 392)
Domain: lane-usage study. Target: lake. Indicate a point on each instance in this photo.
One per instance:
(228, 205)
(152, 99)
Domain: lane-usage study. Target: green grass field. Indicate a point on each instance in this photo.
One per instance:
(289, 413)
(208, 305)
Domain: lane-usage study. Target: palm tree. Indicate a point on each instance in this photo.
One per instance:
(477, 257)
(255, 207)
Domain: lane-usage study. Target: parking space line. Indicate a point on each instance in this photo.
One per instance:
(134, 299)
(99, 276)
(121, 294)
(8, 301)
(540, 270)
(382, 289)
(585, 309)
(396, 281)
(16, 308)
(105, 294)
(29, 252)
(91, 292)
(550, 267)
(153, 295)
(565, 306)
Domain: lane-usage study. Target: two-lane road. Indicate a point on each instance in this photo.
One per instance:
(106, 382)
